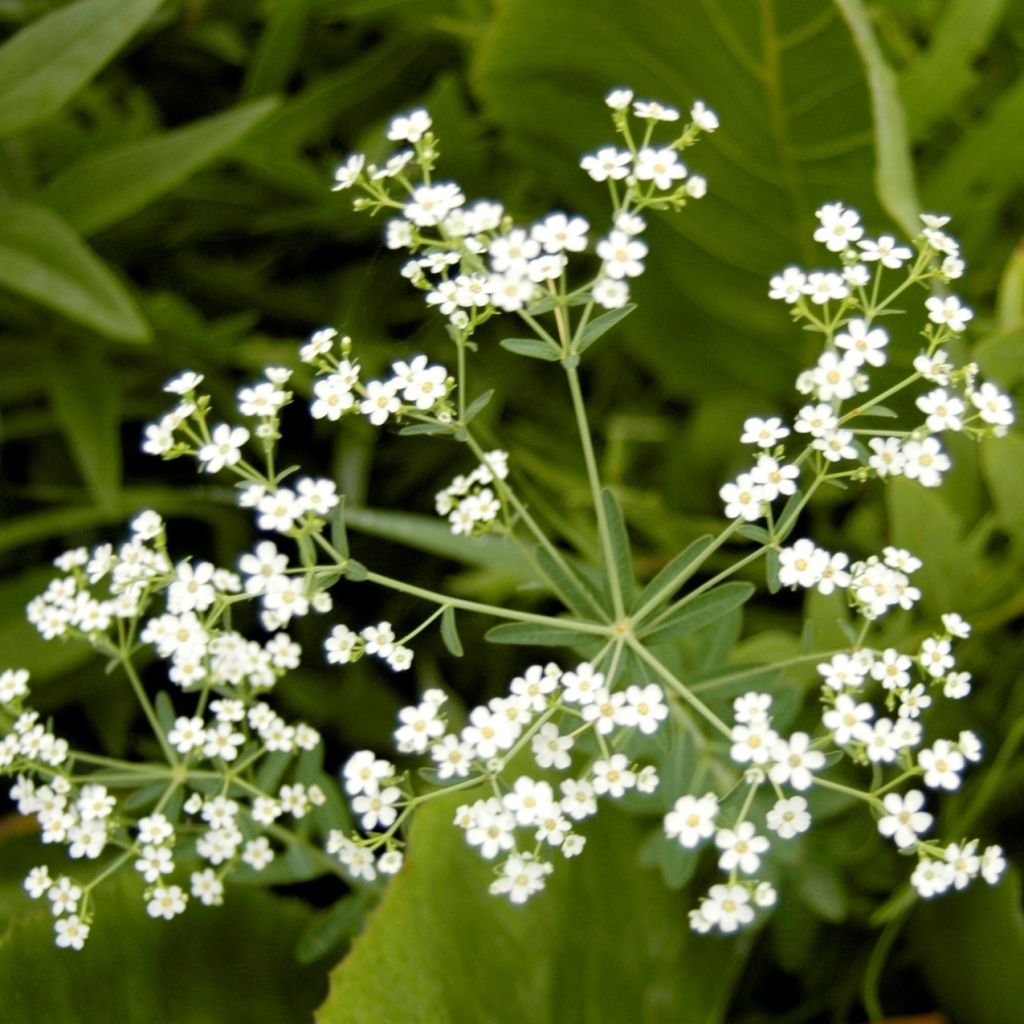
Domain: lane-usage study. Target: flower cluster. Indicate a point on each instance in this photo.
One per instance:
(469, 501)
(473, 262)
(550, 710)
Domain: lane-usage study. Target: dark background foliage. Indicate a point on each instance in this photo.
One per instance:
(165, 203)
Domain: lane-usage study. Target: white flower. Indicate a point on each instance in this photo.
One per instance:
(550, 748)
(743, 498)
(623, 256)
(692, 820)
(207, 888)
(863, 344)
(185, 382)
(364, 772)
(341, 645)
(752, 743)
(377, 810)
(583, 684)
(948, 311)
(578, 799)
(432, 203)
(347, 174)
(789, 818)
(607, 164)
(654, 111)
(845, 716)
(942, 765)
(409, 128)
(931, 877)
(71, 932)
(727, 907)
(944, 411)
(645, 708)
(610, 294)
(558, 233)
(839, 227)
(522, 876)
(619, 99)
(956, 626)
(993, 864)
(703, 117)
(964, 863)
(788, 286)
(822, 286)
(993, 406)
(224, 448)
(905, 819)
(381, 401)
(660, 166)
(802, 565)
(925, 461)
(453, 757)
(741, 848)
(763, 433)
(752, 707)
(794, 761)
(885, 251)
(613, 776)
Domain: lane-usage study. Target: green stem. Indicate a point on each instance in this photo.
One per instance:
(732, 677)
(485, 609)
(148, 709)
(608, 553)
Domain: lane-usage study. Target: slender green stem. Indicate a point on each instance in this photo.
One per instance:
(148, 709)
(485, 609)
(579, 407)
(732, 677)
(838, 787)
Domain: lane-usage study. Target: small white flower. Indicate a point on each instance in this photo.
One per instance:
(692, 820)
(905, 819)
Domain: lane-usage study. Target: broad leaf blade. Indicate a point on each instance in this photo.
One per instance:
(104, 188)
(588, 950)
(44, 260)
(45, 64)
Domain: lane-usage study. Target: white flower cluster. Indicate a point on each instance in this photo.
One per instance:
(469, 501)
(854, 345)
(852, 726)
(345, 646)
(536, 710)
(473, 262)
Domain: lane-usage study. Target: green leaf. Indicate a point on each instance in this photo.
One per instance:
(619, 539)
(700, 611)
(970, 946)
(426, 533)
(894, 168)
(92, 428)
(603, 944)
(601, 326)
(339, 535)
(533, 348)
(947, 69)
(106, 187)
(278, 50)
(796, 132)
(537, 635)
(450, 632)
(1002, 462)
(132, 967)
(476, 406)
(672, 576)
(572, 586)
(44, 260)
(45, 64)
(334, 927)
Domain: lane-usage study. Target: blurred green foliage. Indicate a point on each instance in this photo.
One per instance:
(164, 202)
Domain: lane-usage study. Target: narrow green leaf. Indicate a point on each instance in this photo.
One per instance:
(619, 538)
(45, 64)
(537, 635)
(278, 50)
(91, 426)
(771, 569)
(533, 348)
(106, 187)
(427, 533)
(339, 535)
(946, 70)
(427, 428)
(164, 707)
(573, 587)
(44, 260)
(670, 578)
(788, 516)
(450, 632)
(476, 406)
(701, 611)
(601, 326)
(355, 571)
(894, 164)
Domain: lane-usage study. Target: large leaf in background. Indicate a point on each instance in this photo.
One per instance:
(45, 64)
(106, 187)
(43, 259)
(971, 946)
(235, 963)
(796, 131)
(604, 943)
